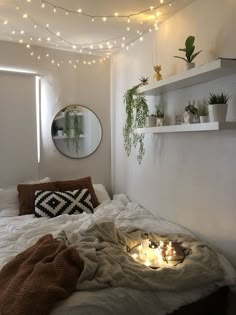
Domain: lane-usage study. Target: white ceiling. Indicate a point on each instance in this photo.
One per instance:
(77, 32)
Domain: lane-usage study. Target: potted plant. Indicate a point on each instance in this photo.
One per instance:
(203, 113)
(151, 120)
(190, 112)
(136, 113)
(159, 116)
(60, 132)
(189, 52)
(217, 106)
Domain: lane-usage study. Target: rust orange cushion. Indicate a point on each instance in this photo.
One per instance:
(26, 195)
(82, 183)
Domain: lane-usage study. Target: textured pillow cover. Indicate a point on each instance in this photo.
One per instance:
(26, 195)
(54, 203)
(82, 183)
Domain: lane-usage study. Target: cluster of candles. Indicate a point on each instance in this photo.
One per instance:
(155, 254)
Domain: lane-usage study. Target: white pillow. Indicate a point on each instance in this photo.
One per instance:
(9, 203)
(101, 193)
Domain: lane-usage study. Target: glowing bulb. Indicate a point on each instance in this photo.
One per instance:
(58, 64)
(150, 30)
(70, 61)
(22, 32)
(48, 39)
(39, 57)
(74, 46)
(128, 29)
(91, 46)
(101, 46)
(90, 53)
(116, 14)
(5, 22)
(25, 16)
(104, 19)
(47, 25)
(75, 66)
(21, 41)
(47, 55)
(31, 38)
(123, 45)
(79, 10)
(35, 26)
(58, 34)
(28, 46)
(141, 39)
(170, 4)
(39, 39)
(13, 32)
(128, 20)
(84, 62)
(17, 7)
(92, 19)
(52, 61)
(43, 5)
(94, 61)
(28, 0)
(54, 10)
(151, 8)
(161, 1)
(32, 53)
(67, 13)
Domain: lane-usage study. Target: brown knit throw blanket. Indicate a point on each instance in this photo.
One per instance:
(33, 281)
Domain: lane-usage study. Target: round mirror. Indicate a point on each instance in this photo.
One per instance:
(76, 131)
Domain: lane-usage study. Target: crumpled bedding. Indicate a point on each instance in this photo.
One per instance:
(18, 233)
(107, 264)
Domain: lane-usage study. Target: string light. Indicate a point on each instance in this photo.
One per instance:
(96, 46)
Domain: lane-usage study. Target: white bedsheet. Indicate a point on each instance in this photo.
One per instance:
(18, 233)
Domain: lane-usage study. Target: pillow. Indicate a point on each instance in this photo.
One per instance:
(82, 183)
(101, 193)
(9, 203)
(26, 195)
(54, 203)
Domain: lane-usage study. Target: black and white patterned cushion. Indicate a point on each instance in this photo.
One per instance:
(53, 203)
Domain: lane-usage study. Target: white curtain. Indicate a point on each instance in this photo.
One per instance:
(18, 129)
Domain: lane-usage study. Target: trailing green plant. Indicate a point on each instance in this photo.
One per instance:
(76, 131)
(159, 112)
(71, 122)
(203, 110)
(136, 113)
(189, 50)
(221, 98)
(191, 108)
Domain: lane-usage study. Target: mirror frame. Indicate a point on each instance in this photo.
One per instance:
(83, 157)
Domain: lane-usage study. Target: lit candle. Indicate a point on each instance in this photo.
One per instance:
(161, 244)
(170, 244)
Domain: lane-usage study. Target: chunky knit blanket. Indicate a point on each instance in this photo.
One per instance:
(33, 281)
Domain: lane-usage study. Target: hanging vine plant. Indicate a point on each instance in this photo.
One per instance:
(136, 113)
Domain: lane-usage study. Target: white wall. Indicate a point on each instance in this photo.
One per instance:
(62, 86)
(187, 178)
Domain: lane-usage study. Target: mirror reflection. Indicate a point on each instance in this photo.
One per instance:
(76, 131)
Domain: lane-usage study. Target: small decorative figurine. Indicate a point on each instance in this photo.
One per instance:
(157, 76)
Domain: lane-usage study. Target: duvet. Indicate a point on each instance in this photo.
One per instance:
(18, 233)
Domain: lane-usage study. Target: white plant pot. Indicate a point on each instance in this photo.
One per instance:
(150, 121)
(159, 122)
(203, 119)
(60, 133)
(217, 112)
(188, 117)
(190, 65)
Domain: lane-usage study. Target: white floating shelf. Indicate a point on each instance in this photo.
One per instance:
(65, 137)
(211, 126)
(211, 71)
(62, 116)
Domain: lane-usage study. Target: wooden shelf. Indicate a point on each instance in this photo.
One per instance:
(211, 71)
(211, 126)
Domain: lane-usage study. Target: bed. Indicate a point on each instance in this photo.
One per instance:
(19, 232)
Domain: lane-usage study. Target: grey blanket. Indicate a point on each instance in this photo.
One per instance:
(107, 264)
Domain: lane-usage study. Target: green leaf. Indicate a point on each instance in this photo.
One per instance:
(181, 58)
(182, 49)
(195, 55)
(189, 53)
(189, 42)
